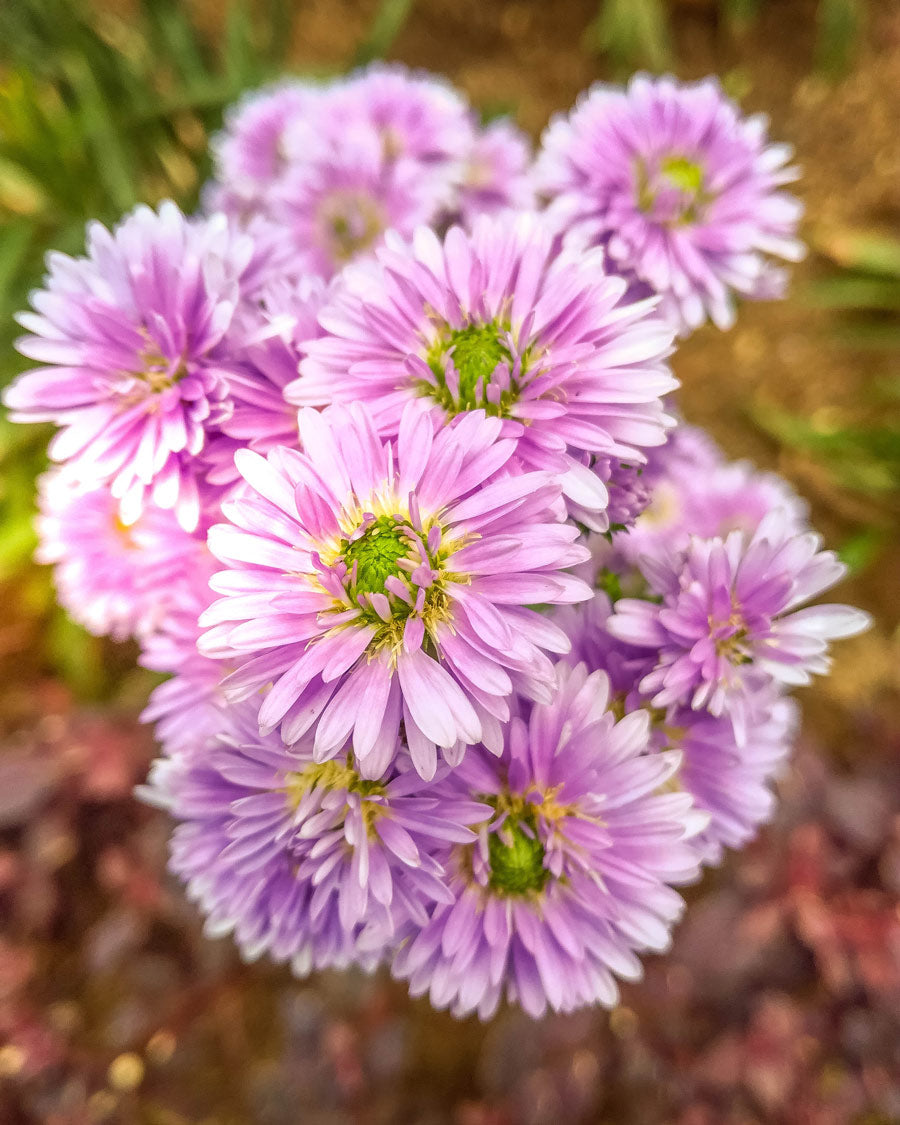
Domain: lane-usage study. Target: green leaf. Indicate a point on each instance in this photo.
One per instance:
(860, 551)
(634, 33)
(102, 134)
(838, 33)
(15, 241)
(862, 251)
(386, 25)
(240, 60)
(854, 291)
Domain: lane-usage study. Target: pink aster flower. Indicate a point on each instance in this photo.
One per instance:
(250, 154)
(730, 780)
(130, 337)
(492, 322)
(378, 582)
(730, 617)
(336, 205)
(727, 779)
(496, 173)
(112, 578)
(415, 116)
(571, 876)
(187, 709)
(682, 192)
(306, 861)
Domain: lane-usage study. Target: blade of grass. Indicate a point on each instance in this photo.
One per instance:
(102, 135)
(386, 25)
(633, 33)
(838, 32)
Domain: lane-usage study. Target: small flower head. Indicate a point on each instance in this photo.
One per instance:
(113, 578)
(570, 877)
(683, 194)
(416, 117)
(337, 205)
(728, 617)
(491, 322)
(130, 338)
(376, 582)
(251, 153)
(496, 174)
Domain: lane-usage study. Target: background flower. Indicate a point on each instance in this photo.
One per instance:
(683, 194)
(113, 578)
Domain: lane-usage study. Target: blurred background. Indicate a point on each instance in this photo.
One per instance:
(780, 1001)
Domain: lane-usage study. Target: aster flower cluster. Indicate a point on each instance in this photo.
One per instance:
(476, 651)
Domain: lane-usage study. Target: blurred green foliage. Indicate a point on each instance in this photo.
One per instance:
(632, 33)
(638, 33)
(860, 289)
(101, 110)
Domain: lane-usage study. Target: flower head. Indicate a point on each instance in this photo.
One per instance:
(416, 117)
(683, 194)
(113, 578)
(337, 205)
(728, 617)
(570, 877)
(130, 336)
(376, 582)
(496, 173)
(250, 154)
(303, 860)
(491, 322)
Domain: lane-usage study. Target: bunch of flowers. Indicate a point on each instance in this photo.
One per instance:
(476, 650)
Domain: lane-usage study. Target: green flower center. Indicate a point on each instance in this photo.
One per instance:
(155, 369)
(674, 172)
(338, 773)
(732, 645)
(334, 774)
(352, 223)
(684, 174)
(463, 362)
(516, 868)
(376, 554)
(476, 352)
